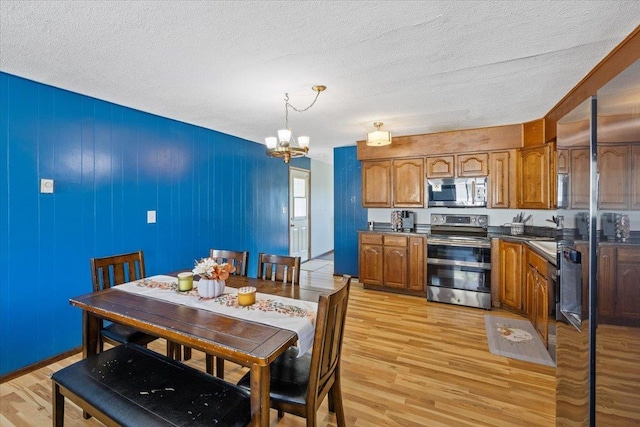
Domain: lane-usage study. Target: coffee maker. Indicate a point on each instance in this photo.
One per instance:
(608, 223)
(615, 227)
(582, 225)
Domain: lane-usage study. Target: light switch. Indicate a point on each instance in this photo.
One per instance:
(46, 186)
(151, 217)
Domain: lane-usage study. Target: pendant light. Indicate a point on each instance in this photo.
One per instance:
(379, 137)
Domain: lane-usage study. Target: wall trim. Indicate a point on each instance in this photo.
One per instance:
(41, 364)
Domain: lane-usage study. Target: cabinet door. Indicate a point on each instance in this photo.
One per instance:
(529, 294)
(501, 177)
(395, 266)
(408, 183)
(376, 184)
(541, 299)
(606, 282)
(417, 264)
(510, 272)
(371, 261)
(473, 164)
(440, 167)
(579, 178)
(627, 300)
(534, 177)
(563, 161)
(613, 168)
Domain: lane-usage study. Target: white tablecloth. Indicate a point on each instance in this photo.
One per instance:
(287, 313)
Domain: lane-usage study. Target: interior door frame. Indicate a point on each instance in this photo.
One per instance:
(295, 170)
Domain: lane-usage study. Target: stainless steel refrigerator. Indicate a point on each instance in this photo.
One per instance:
(598, 298)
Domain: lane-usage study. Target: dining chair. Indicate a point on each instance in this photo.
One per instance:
(239, 259)
(114, 270)
(300, 384)
(279, 268)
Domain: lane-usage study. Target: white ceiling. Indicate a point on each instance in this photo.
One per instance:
(418, 66)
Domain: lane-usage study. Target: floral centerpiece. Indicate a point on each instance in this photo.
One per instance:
(212, 276)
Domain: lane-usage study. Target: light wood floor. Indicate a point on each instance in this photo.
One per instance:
(405, 362)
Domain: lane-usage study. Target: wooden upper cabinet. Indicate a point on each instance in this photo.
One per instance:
(536, 174)
(563, 161)
(408, 183)
(476, 164)
(376, 184)
(580, 162)
(440, 167)
(534, 133)
(614, 172)
(502, 179)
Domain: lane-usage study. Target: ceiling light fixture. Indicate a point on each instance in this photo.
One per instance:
(285, 146)
(379, 137)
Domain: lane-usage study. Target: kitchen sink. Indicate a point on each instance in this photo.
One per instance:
(548, 247)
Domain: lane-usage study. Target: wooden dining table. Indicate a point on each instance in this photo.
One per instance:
(248, 343)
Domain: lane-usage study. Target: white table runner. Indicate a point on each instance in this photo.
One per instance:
(295, 315)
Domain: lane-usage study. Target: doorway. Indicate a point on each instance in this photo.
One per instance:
(299, 213)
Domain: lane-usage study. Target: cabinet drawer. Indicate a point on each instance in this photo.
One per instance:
(628, 254)
(371, 239)
(537, 261)
(395, 240)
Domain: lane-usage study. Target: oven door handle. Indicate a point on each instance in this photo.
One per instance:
(473, 192)
(466, 243)
(440, 261)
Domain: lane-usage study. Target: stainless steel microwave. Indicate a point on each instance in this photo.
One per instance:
(458, 192)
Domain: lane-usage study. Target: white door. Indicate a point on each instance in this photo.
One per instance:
(299, 213)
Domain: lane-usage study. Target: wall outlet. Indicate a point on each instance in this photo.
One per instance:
(151, 217)
(46, 186)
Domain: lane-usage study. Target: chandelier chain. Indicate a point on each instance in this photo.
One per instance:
(287, 104)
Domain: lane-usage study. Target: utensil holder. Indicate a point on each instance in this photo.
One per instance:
(517, 228)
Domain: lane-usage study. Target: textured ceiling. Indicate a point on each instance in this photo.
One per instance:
(418, 66)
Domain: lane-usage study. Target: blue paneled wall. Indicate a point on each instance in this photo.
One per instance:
(111, 165)
(350, 216)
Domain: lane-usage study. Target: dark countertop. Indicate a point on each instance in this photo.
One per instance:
(389, 231)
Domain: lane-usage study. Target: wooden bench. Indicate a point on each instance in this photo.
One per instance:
(129, 385)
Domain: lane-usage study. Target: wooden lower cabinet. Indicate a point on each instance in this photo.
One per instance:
(393, 262)
(371, 259)
(395, 266)
(619, 285)
(417, 265)
(510, 274)
(523, 283)
(537, 301)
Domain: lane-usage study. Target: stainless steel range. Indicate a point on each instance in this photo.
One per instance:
(459, 260)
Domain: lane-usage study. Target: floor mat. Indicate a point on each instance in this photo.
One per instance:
(517, 339)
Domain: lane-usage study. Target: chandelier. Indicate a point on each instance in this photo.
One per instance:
(379, 137)
(285, 146)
